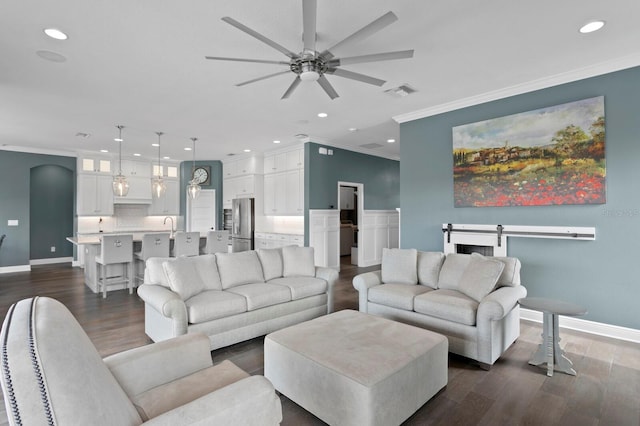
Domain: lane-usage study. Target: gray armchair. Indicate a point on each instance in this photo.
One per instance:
(52, 374)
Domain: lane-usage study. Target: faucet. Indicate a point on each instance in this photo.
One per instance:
(165, 222)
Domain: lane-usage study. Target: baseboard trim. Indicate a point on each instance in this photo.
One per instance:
(591, 327)
(12, 269)
(51, 260)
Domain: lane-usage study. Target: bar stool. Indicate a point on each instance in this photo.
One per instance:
(153, 245)
(186, 244)
(217, 242)
(114, 250)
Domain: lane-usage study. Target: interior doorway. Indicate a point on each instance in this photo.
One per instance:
(350, 206)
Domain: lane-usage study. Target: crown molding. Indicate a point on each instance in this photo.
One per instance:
(593, 70)
(319, 141)
(44, 151)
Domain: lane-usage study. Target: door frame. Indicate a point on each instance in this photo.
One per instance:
(360, 213)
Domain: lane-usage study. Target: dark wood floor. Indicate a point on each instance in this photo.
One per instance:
(606, 390)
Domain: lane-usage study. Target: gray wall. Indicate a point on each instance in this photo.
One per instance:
(380, 176)
(51, 211)
(15, 183)
(603, 274)
(186, 167)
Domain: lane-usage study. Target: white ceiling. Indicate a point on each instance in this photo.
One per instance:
(141, 64)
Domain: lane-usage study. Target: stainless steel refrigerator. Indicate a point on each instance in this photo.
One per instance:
(243, 222)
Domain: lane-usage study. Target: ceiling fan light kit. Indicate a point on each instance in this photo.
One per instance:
(309, 65)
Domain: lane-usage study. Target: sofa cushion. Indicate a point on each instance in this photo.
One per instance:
(175, 394)
(298, 262)
(449, 305)
(396, 295)
(154, 271)
(510, 276)
(480, 276)
(429, 264)
(183, 277)
(302, 287)
(399, 266)
(239, 268)
(260, 295)
(452, 270)
(214, 304)
(271, 260)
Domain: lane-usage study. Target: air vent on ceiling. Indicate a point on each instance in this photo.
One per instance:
(83, 135)
(231, 154)
(401, 91)
(372, 145)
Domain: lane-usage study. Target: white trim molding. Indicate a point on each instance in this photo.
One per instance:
(12, 269)
(378, 229)
(530, 86)
(324, 237)
(591, 327)
(51, 260)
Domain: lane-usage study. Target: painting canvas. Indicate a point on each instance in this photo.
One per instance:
(549, 156)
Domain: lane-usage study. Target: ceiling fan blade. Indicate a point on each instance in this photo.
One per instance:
(291, 88)
(259, 36)
(309, 11)
(388, 56)
(364, 32)
(355, 76)
(257, 61)
(263, 78)
(324, 83)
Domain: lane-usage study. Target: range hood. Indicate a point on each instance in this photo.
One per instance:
(139, 191)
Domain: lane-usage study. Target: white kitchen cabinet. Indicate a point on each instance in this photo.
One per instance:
(135, 168)
(295, 159)
(274, 163)
(284, 193)
(242, 166)
(95, 195)
(242, 187)
(94, 164)
(169, 203)
(294, 185)
(228, 192)
(245, 186)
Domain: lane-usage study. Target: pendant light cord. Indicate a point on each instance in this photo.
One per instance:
(193, 167)
(159, 167)
(120, 127)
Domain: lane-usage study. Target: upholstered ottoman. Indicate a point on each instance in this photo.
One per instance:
(352, 368)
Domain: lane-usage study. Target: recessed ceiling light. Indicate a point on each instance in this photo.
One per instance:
(136, 155)
(104, 150)
(55, 33)
(188, 148)
(352, 129)
(167, 158)
(247, 150)
(276, 141)
(391, 140)
(322, 114)
(155, 144)
(591, 27)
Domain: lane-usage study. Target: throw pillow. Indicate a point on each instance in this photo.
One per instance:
(183, 277)
(480, 276)
(207, 268)
(429, 264)
(399, 266)
(271, 260)
(239, 268)
(154, 271)
(452, 270)
(298, 262)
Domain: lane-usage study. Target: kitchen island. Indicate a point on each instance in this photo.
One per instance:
(88, 247)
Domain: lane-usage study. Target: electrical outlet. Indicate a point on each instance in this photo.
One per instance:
(53, 249)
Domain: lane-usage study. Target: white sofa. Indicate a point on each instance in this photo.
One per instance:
(471, 299)
(232, 297)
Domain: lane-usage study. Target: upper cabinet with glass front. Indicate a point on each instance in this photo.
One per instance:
(95, 164)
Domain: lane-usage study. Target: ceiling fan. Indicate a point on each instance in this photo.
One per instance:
(311, 65)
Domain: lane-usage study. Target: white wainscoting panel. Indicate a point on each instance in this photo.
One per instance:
(324, 237)
(379, 229)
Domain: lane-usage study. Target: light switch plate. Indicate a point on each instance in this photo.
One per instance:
(12, 222)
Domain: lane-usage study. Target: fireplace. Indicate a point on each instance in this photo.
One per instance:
(470, 242)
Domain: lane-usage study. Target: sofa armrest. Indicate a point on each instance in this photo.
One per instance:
(168, 360)
(497, 304)
(330, 276)
(250, 401)
(163, 300)
(362, 283)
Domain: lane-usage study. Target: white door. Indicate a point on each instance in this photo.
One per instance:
(201, 212)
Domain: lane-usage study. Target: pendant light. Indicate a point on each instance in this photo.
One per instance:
(158, 186)
(193, 189)
(120, 184)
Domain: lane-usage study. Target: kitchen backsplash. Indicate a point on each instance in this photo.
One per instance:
(280, 224)
(125, 218)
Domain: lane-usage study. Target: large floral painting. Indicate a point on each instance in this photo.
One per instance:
(549, 156)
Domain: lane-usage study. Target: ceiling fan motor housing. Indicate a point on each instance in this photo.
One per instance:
(308, 68)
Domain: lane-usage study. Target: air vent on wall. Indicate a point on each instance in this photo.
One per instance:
(401, 91)
(372, 145)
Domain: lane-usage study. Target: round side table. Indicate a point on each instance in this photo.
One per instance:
(549, 351)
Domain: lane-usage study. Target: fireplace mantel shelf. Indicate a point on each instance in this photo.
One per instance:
(558, 232)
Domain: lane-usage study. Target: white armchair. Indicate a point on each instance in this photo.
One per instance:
(52, 374)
